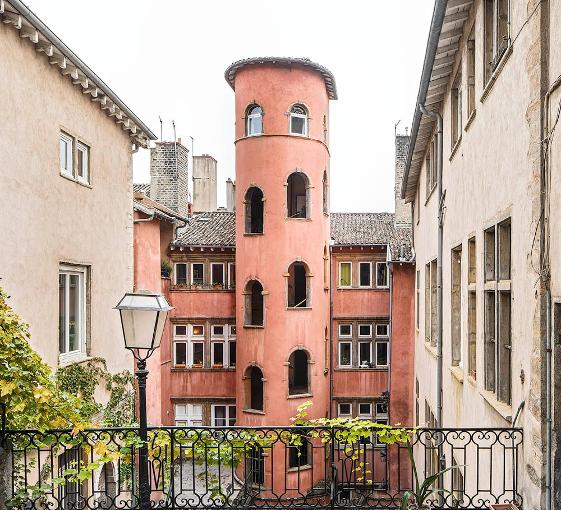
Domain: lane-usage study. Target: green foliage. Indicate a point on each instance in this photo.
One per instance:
(418, 499)
(166, 268)
(27, 386)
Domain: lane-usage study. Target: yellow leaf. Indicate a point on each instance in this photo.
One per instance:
(77, 428)
(7, 388)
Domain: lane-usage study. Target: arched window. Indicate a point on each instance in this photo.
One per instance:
(298, 376)
(253, 303)
(254, 211)
(298, 120)
(325, 193)
(298, 285)
(254, 120)
(297, 195)
(254, 388)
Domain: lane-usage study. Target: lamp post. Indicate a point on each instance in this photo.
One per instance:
(143, 317)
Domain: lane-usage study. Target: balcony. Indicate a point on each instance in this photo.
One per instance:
(244, 467)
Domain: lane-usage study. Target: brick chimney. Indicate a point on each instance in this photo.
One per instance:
(204, 183)
(402, 210)
(169, 184)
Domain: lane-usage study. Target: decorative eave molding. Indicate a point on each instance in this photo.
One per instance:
(16, 14)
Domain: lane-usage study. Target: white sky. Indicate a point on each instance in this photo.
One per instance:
(167, 58)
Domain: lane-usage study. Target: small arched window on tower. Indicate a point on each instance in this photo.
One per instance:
(253, 388)
(297, 190)
(298, 374)
(253, 303)
(254, 211)
(254, 120)
(325, 184)
(298, 120)
(298, 287)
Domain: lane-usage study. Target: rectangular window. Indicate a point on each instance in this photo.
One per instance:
(456, 306)
(365, 330)
(198, 354)
(217, 274)
(198, 330)
(489, 340)
(217, 330)
(456, 108)
(231, 275)
(180, 354)
(472, 334)
(497, 34)
(489, 237)
(223, 415)
(381, 274)
(197, 273)
(188, 415)
(66, 154)
(180, 274)
(345, 274)
(72, 310)
(427, 302)
(344, 409)
(231, 354)
(471, 72)
(217, 354)
(365, 274)
(433, 296)
(345, 356)
(472, 256)
(345, 330)
(381, 353)
(180, 330)
(382, 330)
(365, 410)
(83, 162)
(503, 250)
(364, 354)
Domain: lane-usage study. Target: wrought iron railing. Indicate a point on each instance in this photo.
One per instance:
(243, 467)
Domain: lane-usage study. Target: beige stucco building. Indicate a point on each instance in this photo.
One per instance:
(66, 255)
(491, 70)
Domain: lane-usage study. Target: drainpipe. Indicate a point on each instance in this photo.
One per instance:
(390, 357)
(330, 331)
(440, 220)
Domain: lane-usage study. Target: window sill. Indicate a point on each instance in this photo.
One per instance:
(69, 358)
(431, 349)
(254, 326)
(252, 234)
(363, 288)
(180, 288)
(73, 179)
(287, 218)
(455, 148)
(472, 381)
(254, 411)
(381, 368)
(306, 467)
(202, 369)
(470, 119)
(500, 407)
(299, 395)
(298, 307)
(457, 373)
(496, 73)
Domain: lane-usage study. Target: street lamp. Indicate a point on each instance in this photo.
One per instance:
(143, 317)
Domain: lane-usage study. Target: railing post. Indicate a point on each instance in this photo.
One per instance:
(333, 492)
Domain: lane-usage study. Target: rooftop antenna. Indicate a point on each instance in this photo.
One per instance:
(395, 127)
(174, 134)
(161, 129)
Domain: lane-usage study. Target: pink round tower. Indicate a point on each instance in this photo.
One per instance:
(282, 237)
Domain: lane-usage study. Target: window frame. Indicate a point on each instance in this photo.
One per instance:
(360, 265)
(385, 342)
(188, 419)
(64, 137)
(231, 281)
(212, 265)
(344, 415)
(175, 272)
(340, 344)
(350, 285)
(227, 415)
(383, 335)
(82, 148)
(369, 343)
(387, 284)
(249, 117)
(191, 273)
(341, 335)
(304, 116)
(82, 273)
(369, 335)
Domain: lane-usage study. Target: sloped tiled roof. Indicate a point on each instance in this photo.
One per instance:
(142, 188)
(146, 205)
(217, 228)
(347, 229)
(368, 229)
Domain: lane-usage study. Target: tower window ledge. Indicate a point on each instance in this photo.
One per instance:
(300, 395)
(254, 411)
(298, 307)
(254, 326)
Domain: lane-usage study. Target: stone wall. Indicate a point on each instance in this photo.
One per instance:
(169, 175)
(402, 210)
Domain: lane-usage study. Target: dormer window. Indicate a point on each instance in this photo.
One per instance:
(298, 120)
(254, 120)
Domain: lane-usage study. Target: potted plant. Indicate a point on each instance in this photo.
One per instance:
(418, 499)
(166, 268)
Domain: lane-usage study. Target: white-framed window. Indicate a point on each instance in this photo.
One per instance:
(344, 409)
(82, 162)
(364, 354)
(188, 415)
(197, 273)
(298, 120)
(365, 274)
(345, 274)
(72, 312)
(217, 330)
(254, 120)
(365, 410)
(180, 273)
(345, 330)
(365, 330)
(66, 143)
(223, 415)
(345, 354)
(382, 353)
(231, 275)
(382, 277)
(382, 330)
(217, 275)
